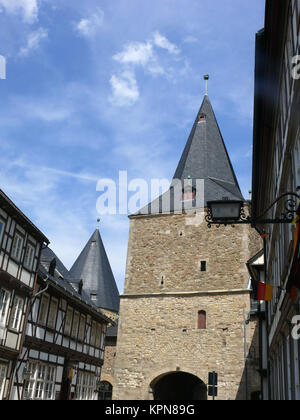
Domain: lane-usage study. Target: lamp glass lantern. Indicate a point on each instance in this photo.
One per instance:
(225, 210)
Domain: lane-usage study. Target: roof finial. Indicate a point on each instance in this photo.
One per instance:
(98, 221)
(206, 78)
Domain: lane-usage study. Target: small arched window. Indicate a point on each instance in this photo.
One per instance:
(201, 320)
(105, 391)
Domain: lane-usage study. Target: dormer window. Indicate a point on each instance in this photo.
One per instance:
(188, 194)
(202, 118)
(94, 297)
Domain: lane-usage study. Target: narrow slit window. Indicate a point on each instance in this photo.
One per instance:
(203, 266)
(201, 320)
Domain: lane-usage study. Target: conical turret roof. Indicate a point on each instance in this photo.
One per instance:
(205, 157)
(93, 267)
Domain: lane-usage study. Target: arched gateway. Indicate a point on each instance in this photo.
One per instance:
(178, 386)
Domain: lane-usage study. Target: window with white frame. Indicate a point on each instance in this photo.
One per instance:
(16, 313)
(85, 387)
(52, 313)
(29, 256)
(4, 305)
(17, 247)
(41, 384)
(3, 374)
(44, 303)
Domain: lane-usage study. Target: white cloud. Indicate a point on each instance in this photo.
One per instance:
(142, 53)
(136, 53)
(27, 8)
(33, 41)
(125, 89)
(162, 42)
(87, 27)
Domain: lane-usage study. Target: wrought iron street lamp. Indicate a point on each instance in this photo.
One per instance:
(230, 212)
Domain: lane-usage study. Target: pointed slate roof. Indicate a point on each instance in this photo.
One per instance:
(92, 266)
(205, 157)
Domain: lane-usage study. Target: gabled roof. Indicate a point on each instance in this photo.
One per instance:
(12, 209)
(205, 157)
(92, 266)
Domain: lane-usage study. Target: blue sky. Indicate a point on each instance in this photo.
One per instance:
(100, 86)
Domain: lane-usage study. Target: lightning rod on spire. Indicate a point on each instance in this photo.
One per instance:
(206, 78)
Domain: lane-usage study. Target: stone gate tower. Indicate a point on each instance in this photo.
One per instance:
(186, 296)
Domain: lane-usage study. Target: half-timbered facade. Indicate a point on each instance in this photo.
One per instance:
(64, 343)
(20, 248)
(276, 171)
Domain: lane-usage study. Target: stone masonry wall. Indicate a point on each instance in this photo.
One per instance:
(107, 371)
(165, 289)
(165, 338)
(173, 247)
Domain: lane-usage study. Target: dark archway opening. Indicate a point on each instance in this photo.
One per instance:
(179, 386)
(105, 391)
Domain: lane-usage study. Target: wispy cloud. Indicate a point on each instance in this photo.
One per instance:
(61, 173)
(190, 39)
(143, 55)
(136, 53)
(88, 26)
(125, 91)
(34, 40)
(28, 9)
(162, 42)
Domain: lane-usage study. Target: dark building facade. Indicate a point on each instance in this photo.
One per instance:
(276, 171)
